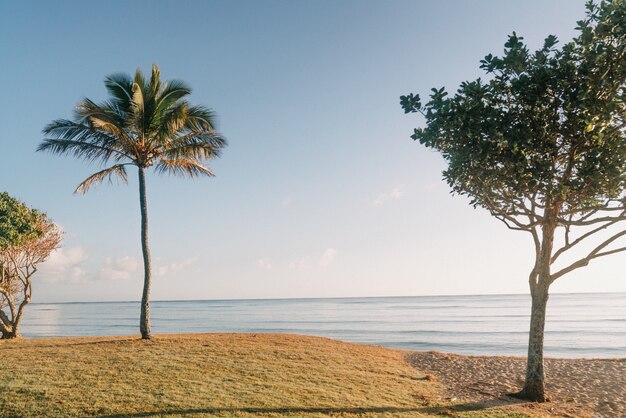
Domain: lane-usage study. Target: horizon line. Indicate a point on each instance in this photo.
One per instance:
(322, 298)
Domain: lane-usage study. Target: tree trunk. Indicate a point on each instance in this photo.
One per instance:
(9, 336)
(144, 321)
(7, 327)
(534, 386)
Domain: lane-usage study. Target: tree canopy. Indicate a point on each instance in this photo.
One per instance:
(145, 122)
(18, 223)
(546, 128)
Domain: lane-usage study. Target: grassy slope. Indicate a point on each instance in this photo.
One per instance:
(216, 375)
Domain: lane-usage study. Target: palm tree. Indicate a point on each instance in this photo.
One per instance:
(144, 123)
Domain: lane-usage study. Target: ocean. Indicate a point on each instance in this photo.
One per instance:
(578, 325)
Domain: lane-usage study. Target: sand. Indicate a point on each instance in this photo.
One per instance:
(576, 387)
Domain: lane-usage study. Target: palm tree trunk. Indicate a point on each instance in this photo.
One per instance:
(144, 321)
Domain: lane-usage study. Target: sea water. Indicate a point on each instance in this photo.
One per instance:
(577, 325)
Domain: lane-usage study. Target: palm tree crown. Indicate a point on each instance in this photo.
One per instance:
(144, 123)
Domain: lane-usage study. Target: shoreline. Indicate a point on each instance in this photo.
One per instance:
(389, 347)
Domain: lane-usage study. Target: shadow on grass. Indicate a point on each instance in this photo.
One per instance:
(448, 410)
(503, 400)
(286, 410)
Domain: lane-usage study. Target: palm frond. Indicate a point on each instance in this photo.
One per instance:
(172, 92)
(80, 133)
(199, 145)
(170, 122)
(136, 118)
(120, 88)
(82, 141)
(183, 166)
(67, 129)
(108, 111)
(140, 79)
(100, 176)
(80, 149)
(155, 80)
(201, 118)
(105, 117)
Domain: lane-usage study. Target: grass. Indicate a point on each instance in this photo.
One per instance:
(224, 375)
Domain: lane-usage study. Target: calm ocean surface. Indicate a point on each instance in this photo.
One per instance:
(578, 325)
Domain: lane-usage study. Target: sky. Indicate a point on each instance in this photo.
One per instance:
(320, 193)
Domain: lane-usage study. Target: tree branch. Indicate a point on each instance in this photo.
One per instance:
(569, 245)
(9, 298)
(5, 329)
(595, 253)
(4, 320)
(621, 217)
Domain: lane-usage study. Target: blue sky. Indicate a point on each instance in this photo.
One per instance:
(321, 192)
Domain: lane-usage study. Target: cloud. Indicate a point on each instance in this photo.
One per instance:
(288, 201)
(173, 268)
(126, 268)
(394, 194)
(64, 265)
(265, 263)
(328, 257)
(307, 262)
(303, 263)
(123, 268)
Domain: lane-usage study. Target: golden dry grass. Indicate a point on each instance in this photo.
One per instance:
(225, 375)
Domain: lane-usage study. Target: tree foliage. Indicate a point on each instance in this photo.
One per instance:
(18, 223)
(541, 144)
(27, 237)
(546, 131)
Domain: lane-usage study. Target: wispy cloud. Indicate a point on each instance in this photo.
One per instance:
(64, 266)
(288, 201)
(308, 262)
(265, 263)
(175, 267)
(394, 194)
(123, 268)
(328, 257)
(126, 268)
(301, 264)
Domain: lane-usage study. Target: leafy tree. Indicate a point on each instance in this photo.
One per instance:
(27, 237)
(144, 123)
(541, 145)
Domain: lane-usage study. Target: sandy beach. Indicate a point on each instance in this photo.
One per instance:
(576, 387)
